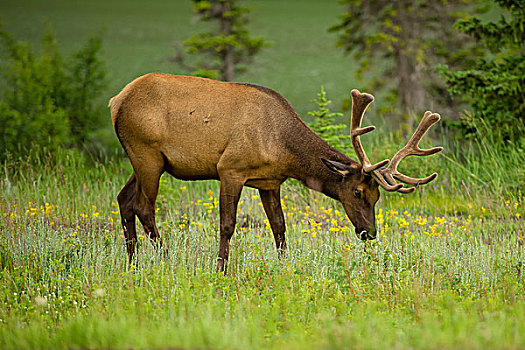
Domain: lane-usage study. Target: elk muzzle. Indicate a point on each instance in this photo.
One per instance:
(366, 234)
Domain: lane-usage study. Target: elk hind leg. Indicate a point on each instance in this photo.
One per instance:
(148, 177)
(127, 215)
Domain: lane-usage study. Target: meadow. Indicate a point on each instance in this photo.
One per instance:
(446, 271)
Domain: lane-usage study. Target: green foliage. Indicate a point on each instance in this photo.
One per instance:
(398, 44)
(227, 49)
(29, 111)
(324, 124)
(46, 99)
(494, 87)
(86, 79)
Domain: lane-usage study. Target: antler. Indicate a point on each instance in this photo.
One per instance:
(412, 148)
(385, 177)
(359, 105)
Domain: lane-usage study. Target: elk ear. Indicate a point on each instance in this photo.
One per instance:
(336, 167)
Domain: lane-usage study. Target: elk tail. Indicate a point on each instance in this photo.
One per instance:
(114, 105)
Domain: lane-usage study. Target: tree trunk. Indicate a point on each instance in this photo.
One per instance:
(411, 91)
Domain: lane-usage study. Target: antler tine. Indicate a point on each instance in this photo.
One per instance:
(412, 148)
(359, 104)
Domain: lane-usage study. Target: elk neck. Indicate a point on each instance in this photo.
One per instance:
(307, 149)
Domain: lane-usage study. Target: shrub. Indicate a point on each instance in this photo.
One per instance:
(46, 99)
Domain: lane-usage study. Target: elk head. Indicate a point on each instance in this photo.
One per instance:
(360, 182)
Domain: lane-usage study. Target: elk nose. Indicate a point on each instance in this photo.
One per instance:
(366, 235)
(362, 234)
(372, 234)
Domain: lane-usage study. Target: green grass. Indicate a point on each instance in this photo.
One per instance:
(434, 278)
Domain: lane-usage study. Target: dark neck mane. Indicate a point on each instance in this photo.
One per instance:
(307, 149)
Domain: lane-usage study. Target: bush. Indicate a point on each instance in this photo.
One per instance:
(45, 99)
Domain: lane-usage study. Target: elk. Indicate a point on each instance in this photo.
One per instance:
(244, 135)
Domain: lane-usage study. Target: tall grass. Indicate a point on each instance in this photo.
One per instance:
(445, 272)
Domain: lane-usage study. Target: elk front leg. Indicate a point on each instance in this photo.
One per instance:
(228, 200)
(271, 201)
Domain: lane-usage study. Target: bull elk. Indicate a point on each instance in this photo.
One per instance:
(243, 135)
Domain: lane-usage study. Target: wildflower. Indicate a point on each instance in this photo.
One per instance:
(421, 221)
(402, 222)
(41, 301)
(439, 220)
(99, 292)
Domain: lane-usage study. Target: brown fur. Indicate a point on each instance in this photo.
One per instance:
(240, 134)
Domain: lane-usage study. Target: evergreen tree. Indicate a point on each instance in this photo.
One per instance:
(227, 49)
(326, 127)
(400, 43)
(494, 86)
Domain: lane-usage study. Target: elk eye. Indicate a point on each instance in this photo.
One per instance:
(357, 193)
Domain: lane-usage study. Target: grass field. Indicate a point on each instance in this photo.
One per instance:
(446, 272)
